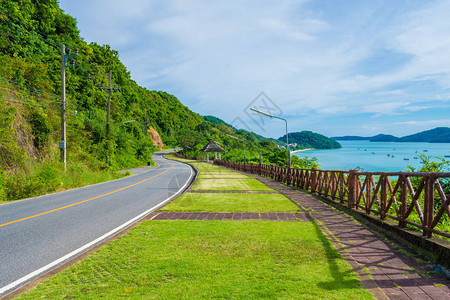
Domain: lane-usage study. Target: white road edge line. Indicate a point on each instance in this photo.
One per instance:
(74, 253)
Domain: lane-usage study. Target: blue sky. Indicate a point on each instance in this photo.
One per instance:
(343, 67)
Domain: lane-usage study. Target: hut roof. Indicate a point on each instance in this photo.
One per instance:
(212, 147)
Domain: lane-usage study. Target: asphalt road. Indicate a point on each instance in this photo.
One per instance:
(39, 234)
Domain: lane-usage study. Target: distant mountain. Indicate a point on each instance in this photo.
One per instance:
(350, 138)
(308, 139)
(436, 135)
(384, 138)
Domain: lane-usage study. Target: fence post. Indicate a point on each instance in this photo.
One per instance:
(383, 186)
(368, 193)
(429, 205)
(260, 164)
(404, 201)
(289, 175)
(352, 186)
(313, 180)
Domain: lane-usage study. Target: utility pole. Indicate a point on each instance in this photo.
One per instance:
(63, 142)
(110, 90)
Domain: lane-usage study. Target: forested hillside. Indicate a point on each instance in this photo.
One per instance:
(436, 135)
(31, 35)
(308, 139)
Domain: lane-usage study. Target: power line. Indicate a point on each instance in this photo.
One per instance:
(8, 89)
(4, 33)
(29, 88)
(24, 101)
(26, 31)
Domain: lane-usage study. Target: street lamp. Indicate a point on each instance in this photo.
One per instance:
(288, 159)
(243, 143)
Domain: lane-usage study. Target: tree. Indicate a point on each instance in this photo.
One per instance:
(188, 139)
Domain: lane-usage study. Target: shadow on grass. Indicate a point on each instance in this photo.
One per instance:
(340, 278)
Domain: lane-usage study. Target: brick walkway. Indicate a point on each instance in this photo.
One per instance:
(393, 266)
(237, 216)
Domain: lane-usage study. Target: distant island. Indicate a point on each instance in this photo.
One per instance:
(308, 139)
(436, 135)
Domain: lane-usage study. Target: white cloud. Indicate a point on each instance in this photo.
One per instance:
(218, 56)
(426, 123)
(388, 108)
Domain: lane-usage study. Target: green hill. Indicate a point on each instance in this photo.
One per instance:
(308, 139)
(350, 138)
(436, 135)
(384, 138)
(30, 105)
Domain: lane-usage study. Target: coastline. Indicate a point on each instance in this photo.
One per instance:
(372, 156)
(301, 150)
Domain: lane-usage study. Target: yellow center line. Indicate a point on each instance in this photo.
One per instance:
(84, 201)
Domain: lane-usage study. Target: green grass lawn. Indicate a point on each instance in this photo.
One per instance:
(216, 178)
(223, 184)
(223, 176)
(204, 167)
(210, 259)
(213, 259)
(223, 202)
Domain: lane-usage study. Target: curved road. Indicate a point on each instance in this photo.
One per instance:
(39, 234)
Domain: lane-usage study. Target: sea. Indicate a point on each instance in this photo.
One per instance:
(377, 156)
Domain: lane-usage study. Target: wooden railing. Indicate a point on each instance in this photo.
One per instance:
(414, 199)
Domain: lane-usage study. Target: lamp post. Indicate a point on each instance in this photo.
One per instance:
(243, 143)
(288, 159)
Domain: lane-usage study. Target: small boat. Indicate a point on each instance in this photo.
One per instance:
(425, 150)
(388, 154)
(446, 155)
(373, 152)
(415, 157)
(406, 158)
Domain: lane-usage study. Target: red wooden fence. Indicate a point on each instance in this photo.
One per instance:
(415, 199)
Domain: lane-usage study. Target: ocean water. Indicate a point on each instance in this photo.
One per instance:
(376, 156)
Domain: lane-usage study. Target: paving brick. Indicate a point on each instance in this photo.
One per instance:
(438, 296)
(228, 216)
(419, 296)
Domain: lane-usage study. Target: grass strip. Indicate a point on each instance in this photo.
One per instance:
(202, 166)
(222, 176)
(221, 184)
(223, 202)
(210, 259)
